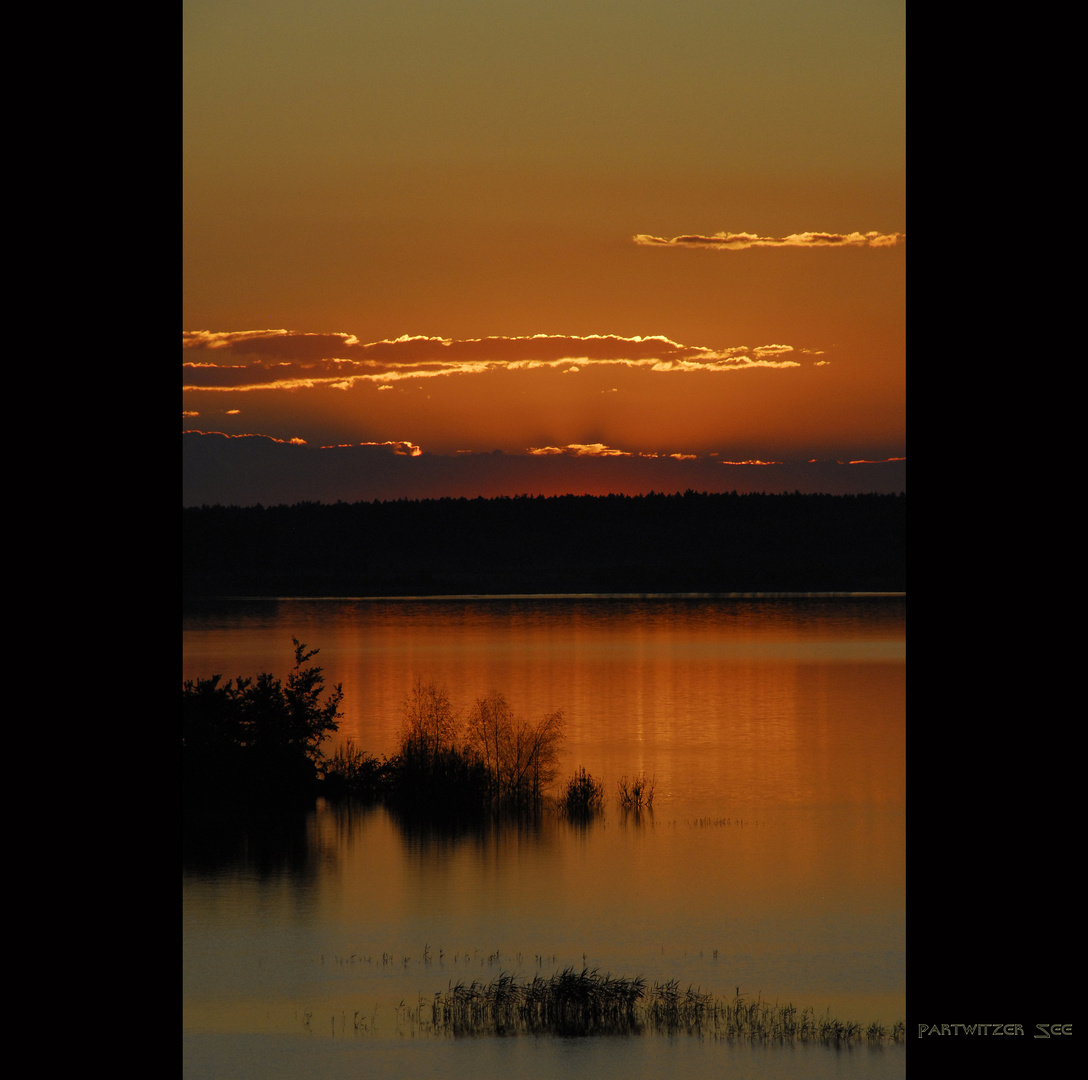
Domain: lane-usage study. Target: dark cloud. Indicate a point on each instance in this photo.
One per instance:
(252, 469)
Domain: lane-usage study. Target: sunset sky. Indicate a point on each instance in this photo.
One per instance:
(461, 247)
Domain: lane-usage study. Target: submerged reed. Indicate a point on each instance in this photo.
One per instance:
(567, 1003)
(637, 794)
(588, 1003)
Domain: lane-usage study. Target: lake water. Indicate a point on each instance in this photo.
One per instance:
(773, 860)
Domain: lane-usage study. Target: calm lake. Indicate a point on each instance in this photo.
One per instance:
(773, 860)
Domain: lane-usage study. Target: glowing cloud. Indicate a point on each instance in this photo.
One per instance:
(296, 441)
(751, 461)
(872, 461)
(400, 447)
(601, 450)
(280, 360)
(578, 450)
(741, 241)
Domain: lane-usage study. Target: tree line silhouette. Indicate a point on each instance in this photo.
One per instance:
(690, 542)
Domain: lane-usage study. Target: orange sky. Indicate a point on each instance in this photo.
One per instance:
(645, 228)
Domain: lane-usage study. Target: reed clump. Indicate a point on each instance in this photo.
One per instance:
(637, 793)
(567, 1003)
(584, 796)
(573, 1003)
(671, 1011)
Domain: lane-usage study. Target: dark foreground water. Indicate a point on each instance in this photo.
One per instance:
(284, 1057)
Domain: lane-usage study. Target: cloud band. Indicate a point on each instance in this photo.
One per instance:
(740, 241)
(283, 360)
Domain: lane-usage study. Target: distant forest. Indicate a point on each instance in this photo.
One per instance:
(694, 542)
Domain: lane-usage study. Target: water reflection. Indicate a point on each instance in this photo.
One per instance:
(742, 697)
(773, 857)
(266, 847)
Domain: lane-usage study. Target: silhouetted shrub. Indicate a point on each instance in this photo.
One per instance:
(521, 758)
(497, 763)
(584, 796)
(256, 743)
(352, 772)
(449, 784)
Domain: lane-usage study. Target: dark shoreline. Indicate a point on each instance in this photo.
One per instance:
(695, 543)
